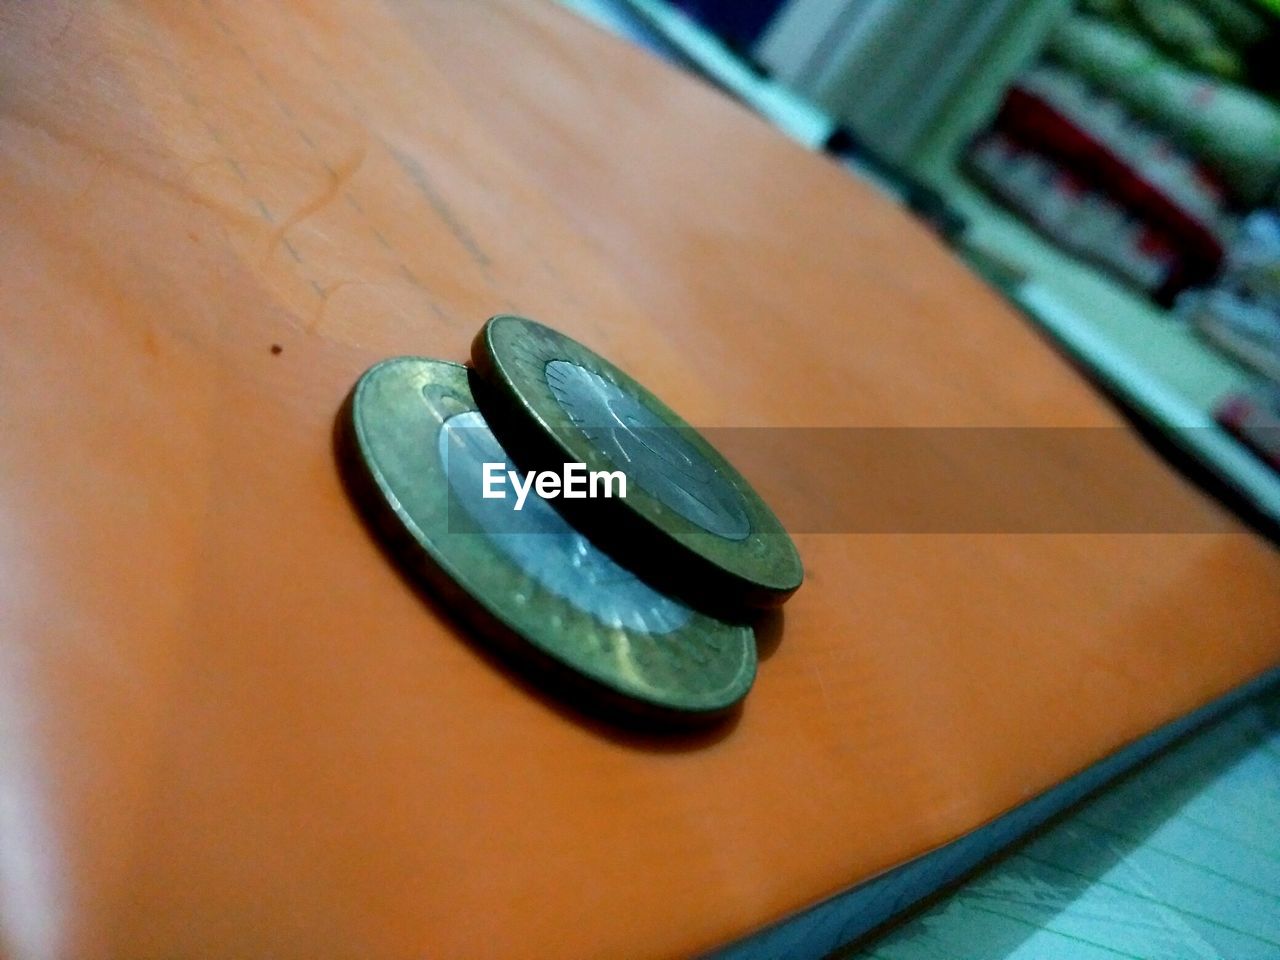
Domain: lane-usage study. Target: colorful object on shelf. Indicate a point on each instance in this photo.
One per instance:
(1241, 314)
(1254, 258)
(1185, 30)
(1081, 218)
(1254, 417)
(1052, 112)
(1234, 130)
(1246, 328)
(1236, 22)
(1230, 39)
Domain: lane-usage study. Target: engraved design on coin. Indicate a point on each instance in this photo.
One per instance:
(546, 548)
(654, 455)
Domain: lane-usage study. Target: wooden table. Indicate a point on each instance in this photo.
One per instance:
(228, 728)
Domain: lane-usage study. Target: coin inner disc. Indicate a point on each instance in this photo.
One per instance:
(653, 454)
(539, 542)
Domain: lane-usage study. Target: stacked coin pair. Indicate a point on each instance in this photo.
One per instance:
(639, 603)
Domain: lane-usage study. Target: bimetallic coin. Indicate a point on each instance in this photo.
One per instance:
(412, 446)
(689, 521)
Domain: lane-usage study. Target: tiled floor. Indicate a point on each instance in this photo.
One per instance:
(1180, 859)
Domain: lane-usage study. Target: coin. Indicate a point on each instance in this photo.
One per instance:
(689, 520)
(412, 447)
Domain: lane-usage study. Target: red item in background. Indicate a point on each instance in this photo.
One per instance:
(1033, 122)
(1073, 215)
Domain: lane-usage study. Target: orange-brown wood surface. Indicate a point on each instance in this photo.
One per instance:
(228, 727)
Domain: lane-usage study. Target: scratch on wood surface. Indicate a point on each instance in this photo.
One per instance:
(413, 169)
(338, 177)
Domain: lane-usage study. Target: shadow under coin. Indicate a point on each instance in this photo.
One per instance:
(768, 626)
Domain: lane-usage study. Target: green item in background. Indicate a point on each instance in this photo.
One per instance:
(1237, 23)
(1185, 31)
(1117, 10)
(1234, 131)
(1212, 36)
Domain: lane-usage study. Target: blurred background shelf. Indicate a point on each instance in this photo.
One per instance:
(897, 93)
(1153, 338)
(1149, 359)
